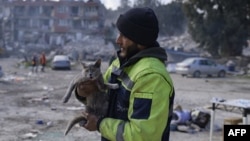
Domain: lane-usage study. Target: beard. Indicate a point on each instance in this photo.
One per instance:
(129, 51)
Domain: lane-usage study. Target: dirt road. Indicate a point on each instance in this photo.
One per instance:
(31, 107)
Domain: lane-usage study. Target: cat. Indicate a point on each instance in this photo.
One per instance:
(89, 72)
(94, 95)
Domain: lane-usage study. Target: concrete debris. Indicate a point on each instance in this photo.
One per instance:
(29, 135)
(75, 108)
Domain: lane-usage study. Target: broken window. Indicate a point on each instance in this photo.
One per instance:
(76, 24)
(19, 10)
(47, 11)
(62, 9)
(74, 11)
(63, 22)
(33, 11)
(35, 23)
(22, 23)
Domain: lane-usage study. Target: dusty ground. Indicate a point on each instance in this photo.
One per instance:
(31, 108)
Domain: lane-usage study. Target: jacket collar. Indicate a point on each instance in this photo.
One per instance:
(156, 52)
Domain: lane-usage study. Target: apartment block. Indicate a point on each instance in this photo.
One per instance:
(53, 22)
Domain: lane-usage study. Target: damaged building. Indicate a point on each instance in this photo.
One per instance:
(47, 23)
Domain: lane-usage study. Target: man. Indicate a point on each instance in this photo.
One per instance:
(34, 63)
(141, 108)
(43, 61)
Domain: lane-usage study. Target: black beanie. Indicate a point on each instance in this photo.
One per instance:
(139, 25)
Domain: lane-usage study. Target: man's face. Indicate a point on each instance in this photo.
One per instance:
(128, 47)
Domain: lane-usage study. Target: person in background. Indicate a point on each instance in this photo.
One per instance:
(34, 63)
(43, 61)
(141, 108)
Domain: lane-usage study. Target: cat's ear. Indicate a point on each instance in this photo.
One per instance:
(84, 65)
(98, 63)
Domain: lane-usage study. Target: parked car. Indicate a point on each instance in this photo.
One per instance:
(60, 62)
(1, 72)
(171, 67)
(199, 66)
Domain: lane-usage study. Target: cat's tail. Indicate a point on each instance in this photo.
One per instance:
(79, 119)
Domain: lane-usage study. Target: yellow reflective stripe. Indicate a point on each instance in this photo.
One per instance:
(143, 95)
(120, 130)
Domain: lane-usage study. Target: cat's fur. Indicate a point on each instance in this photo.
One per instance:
(94, 91)
(89, 72)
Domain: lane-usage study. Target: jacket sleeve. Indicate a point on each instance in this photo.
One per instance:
(148, 111)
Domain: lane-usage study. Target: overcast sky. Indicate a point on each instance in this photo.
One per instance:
(113, 4)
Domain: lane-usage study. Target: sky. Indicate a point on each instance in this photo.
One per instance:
(113, 4)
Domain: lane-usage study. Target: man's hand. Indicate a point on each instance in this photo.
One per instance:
(91, 124)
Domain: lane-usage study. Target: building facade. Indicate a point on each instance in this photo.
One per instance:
(53, 22)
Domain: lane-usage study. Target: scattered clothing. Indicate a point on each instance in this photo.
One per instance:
(189, 121)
